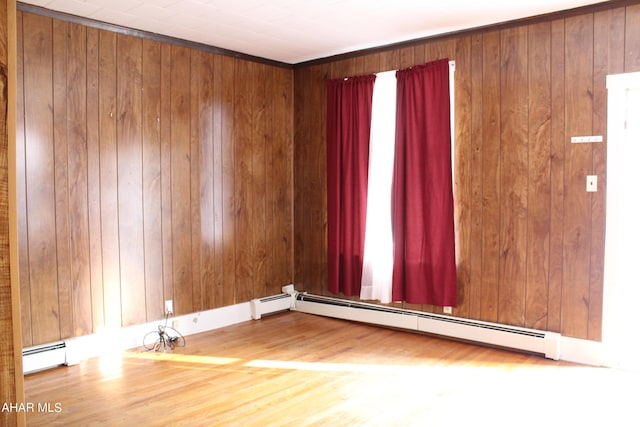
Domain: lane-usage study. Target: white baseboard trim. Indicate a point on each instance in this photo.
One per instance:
(582, 351)
(564, 348)
(109, 341)
(105, 342)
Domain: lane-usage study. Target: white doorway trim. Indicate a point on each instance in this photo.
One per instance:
(621, 287)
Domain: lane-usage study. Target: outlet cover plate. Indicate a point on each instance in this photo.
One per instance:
(592, 183)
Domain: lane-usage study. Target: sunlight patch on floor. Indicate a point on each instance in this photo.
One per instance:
(185, 358)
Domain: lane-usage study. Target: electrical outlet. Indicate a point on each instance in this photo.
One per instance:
(168, 306)
(447, 310)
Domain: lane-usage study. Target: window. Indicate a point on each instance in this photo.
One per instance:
(390, 203)
(378, 246)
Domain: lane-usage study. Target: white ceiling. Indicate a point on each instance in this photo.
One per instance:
(294, 31)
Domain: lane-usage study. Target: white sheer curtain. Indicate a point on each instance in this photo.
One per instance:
(378, 243)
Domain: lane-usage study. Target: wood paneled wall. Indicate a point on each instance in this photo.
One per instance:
(149, 171)
(146, 171)
(530, 239)
(11, 375)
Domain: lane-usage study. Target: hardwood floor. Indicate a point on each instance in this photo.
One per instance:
(294, 369)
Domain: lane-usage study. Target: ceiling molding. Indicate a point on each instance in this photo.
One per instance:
(145, 34)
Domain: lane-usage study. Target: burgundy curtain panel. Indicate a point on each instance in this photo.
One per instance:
(349, 104)
(424, 269)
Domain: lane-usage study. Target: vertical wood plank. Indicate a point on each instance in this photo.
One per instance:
(476, 173)
(447, 47)
(431, 51)
(130, 207)
(307, 203)
(197, 284)
(228, 144)
(418, 58)
(181, 180)
(76, 115)
(406, 57)
(207, 171)
(539, 174)
(93, 178)
(243, 179)
(282, 161)
(270, 183)
(577, 222)
(260, 81)
(462, 158)
(491, 183)
(309, 242)
(301, 206)
(109, 181)
(343, 68)
(152, 179)
(372, 62)
(40, 178)
(166, 176)
(556, 226)
(513, 176)
(318, 157)
(21, 192)
(389, 60)
(61, 166)
(216, 294)
(632, 39)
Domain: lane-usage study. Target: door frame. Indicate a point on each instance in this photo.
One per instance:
(614, 320)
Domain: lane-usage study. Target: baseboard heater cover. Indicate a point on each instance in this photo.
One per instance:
(531, 340)
(42, 357)
(269, 305)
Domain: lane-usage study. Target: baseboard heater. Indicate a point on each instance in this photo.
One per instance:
(42, 357)
(269, 305)
(529, 340)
